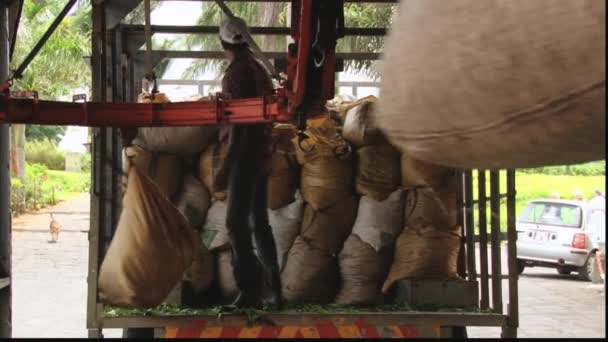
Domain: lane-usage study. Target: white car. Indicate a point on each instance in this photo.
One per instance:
(561, 234)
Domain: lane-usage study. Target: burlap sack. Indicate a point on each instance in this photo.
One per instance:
(310, 275)
(215, 234)
(496, 84)
(225, 274)
(282, 181)
(327, 164)
(339, 103)
(378, 171)
(153, 244)
(285, 223)
(209, 164)
(174, 140)
(193, 201)
(415, 172)
(379, 223)
(423, 207)
(200, 274)
(424, 253)
(358, 128)
(164, 169)
(328, 228)
(362, 272)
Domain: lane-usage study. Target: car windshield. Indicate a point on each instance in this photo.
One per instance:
(555, 214)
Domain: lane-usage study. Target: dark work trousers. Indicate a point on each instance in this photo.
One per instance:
(247, 215)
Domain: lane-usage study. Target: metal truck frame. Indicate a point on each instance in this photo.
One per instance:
(117, 70)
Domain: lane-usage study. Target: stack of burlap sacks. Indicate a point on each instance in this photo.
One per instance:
(339, 197)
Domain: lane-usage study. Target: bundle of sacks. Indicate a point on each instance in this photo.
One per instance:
(339, 197)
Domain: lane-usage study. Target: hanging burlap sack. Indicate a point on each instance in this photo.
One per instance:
(310, 274)
(530, 91)
(225, 274)
(193, 201)
(362, 272)
(424, 253)
(209, 164)
(285, 223)
(379, 223)
(164, 169)
(415, 172)
(358, 128)
(327, 164)
(153, 244)
(215, 234)
(378, 171)
(174, 140)
(328, 228)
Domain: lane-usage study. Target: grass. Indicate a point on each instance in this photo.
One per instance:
(253, 315)
(68, 184)
(536, 186)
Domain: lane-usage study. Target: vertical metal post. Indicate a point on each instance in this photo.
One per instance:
(469, 224)
(5, 187)
(461, 265)
(510, 331)
(495, 241)
(98, 143)
(483, 239)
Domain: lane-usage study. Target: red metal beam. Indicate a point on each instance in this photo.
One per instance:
(126, 115)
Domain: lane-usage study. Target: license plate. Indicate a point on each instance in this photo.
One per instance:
(541, 236)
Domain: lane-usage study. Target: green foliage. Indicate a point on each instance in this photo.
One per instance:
(45, 152)
(596, 168)
(265, 14)
(538, 186)
(42, 187)
(41, 132)
(85, 163)
(59, 68)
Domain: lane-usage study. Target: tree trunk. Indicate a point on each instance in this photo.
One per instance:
(17, 158)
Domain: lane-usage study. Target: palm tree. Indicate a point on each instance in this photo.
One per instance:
(59, 67)
(276, 14)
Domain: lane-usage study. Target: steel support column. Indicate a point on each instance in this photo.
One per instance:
(5, 186)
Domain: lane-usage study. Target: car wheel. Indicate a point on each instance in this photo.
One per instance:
(563, 271)
(521, 265)
(590, 271)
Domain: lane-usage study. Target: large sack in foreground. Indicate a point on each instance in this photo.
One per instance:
(362, 272)
(379, 223)
(153, 244)
(496, 84)
(164, 169)
(328, 228)
(378, 171)
(285, 223)
(209, 165)
(424, 253)
(215, 233)
(310, 274)
(174, 140)
(327, 164)
(193, 201)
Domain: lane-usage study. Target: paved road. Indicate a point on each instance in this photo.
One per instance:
(49, 293)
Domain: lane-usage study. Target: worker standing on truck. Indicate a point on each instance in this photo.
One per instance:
(244, 172)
